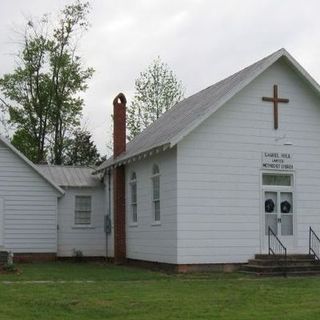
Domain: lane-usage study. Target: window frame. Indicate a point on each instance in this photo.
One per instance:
(156, 175)
(132, 183)
(82, 225)
(277, 185)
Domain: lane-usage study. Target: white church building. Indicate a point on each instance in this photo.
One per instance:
(203, 185)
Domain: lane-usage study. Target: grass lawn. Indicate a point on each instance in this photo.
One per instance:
(65, 291)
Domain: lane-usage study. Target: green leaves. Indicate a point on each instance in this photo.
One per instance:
(25, 143)
(42, 93)
(81, 150)
(156, 91)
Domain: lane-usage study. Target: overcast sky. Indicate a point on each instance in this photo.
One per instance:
(203, 41)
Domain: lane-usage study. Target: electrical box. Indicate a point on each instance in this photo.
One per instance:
(107, 224)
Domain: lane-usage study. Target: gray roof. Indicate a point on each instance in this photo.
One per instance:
(182, 118)
(70, 176)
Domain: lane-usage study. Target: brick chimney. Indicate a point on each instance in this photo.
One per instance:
(119, 146)
(119, 124)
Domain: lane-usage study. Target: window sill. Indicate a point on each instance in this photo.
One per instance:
(156, 223)
(83, 227)
(133, 224)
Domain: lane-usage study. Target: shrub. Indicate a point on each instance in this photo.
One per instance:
(10, 268)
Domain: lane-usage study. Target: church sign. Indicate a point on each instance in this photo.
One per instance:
(277, 161)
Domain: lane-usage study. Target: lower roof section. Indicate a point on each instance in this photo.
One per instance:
(70, 176)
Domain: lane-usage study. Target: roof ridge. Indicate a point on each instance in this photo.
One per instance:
(64, 166)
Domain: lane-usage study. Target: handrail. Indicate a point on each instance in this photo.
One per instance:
(314, 244)
(276, 247)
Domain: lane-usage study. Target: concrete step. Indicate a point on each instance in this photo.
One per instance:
(282, 273)
(276, 265)
(270, 262)
(281, 268)
(280, 257)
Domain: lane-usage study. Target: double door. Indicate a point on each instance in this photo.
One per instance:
(278, 206)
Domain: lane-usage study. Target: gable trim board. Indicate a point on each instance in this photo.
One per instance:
(224, 91)
(30, 164)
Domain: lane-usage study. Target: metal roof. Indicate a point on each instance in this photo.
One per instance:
(182, 118)
(70, 176)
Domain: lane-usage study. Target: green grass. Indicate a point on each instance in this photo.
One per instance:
(97, 291)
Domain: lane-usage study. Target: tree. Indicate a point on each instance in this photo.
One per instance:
(42, 93)
(81, 150)
(156, 91)
(26, 144)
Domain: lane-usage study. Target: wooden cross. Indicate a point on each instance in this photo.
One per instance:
(275, 99)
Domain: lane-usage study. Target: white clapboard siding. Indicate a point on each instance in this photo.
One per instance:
(219, 170)
(90, 240)
(145, 240)
(1, 223)
(29, 220)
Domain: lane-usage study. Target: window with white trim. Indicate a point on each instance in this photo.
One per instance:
(133, 188)
(156, 192)
(82, 214)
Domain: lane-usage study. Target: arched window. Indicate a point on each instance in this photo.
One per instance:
(133, 187)
(156, 192)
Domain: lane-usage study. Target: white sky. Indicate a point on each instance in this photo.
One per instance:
(203, 41)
